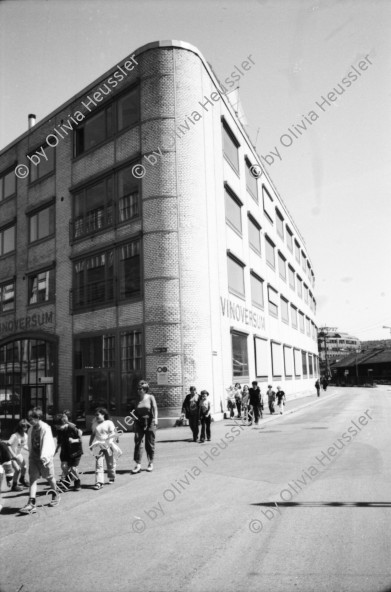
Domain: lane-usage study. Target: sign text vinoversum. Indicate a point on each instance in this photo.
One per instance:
(241, 313)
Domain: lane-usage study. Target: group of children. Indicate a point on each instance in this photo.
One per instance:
(39, 442)
(249, 401)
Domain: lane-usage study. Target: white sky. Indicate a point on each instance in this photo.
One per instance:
(335, 178)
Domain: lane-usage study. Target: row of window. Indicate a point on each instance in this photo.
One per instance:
(236, 285)
(120, 114)
(273, 214)
(41, 225)
(101, 278)
(234, 218)
(286, 361)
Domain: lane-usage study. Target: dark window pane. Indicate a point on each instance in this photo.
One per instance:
(230, 149)
(239, 355)
(94, 130)
(127, 108)
(9, 184)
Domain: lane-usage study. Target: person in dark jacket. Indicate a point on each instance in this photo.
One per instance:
(317, 386)
(256, 401)
(191, 409)
(325, 383)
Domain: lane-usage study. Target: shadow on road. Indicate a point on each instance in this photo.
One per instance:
(326, 504)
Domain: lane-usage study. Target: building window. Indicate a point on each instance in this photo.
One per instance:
(251, 179)
(119, 115)
(294, 316)
(305, 293)
(7, 185)
(279, 224)
(273, 301)
(288, 360)
(93, 208)
(297, 362)
(41, 287)
(239, 354)
(230, 147)
(7, 240)
(301, 321)
(42, 224)
(128, 109)
(46, 163)
(291, 277)
(299, 287)
(270, 256)
(7, 296)
(282, 266)
(256, 290)
(289, 239)
(308, 326)
(97, 206)
(261, 357)
(254, 235)
(303, 262)
(129, 270)
(297, 251)
(268, 206)
(128, 195)
(276, 352)
(308, 270)
(235, 276)
(94, 276)
(284, 310)
(304, 363)
(233, 210)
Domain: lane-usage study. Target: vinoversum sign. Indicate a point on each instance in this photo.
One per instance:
(242, 314)
(25, 323)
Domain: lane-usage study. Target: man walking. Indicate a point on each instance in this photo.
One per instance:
(280, 399)
(191, 410)
(271, 395)
(256, 401)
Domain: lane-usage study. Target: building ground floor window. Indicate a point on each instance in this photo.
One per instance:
(107, 368)
(27, 376)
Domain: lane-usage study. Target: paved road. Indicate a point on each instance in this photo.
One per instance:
(301, 502)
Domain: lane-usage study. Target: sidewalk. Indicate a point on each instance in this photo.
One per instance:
(173, 454)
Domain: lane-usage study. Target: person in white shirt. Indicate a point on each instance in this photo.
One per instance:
(102, 445)
(17, 443)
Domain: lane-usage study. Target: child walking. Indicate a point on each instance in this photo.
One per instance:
(205, 416)
(103, 446)
(69, 440)
(17, 443)
(41, 451)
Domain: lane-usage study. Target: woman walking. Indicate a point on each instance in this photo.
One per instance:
(144, 427)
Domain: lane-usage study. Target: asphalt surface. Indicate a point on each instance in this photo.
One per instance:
(299, 502)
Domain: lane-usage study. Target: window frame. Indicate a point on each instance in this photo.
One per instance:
(243, 335)
(36, 168)
(229, 193)
(255, 224)
(231, 257)
(272, 306)
(3, 175)
(271, 244)
(291, 274)
(112, 280)
(227, 129)
(281, 258)
(257, 278)
(112, 104)
(280, 224)
(3, 285)
(289, 242)
(3, 229)
(268, 214)
(52, 286)
(35, 213)
(294, 317)
(286, 307)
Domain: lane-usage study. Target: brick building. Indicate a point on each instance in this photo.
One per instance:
(135, 241)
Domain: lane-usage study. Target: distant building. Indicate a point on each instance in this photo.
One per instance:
(364, 367)
(376, 343)
(334, 345)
